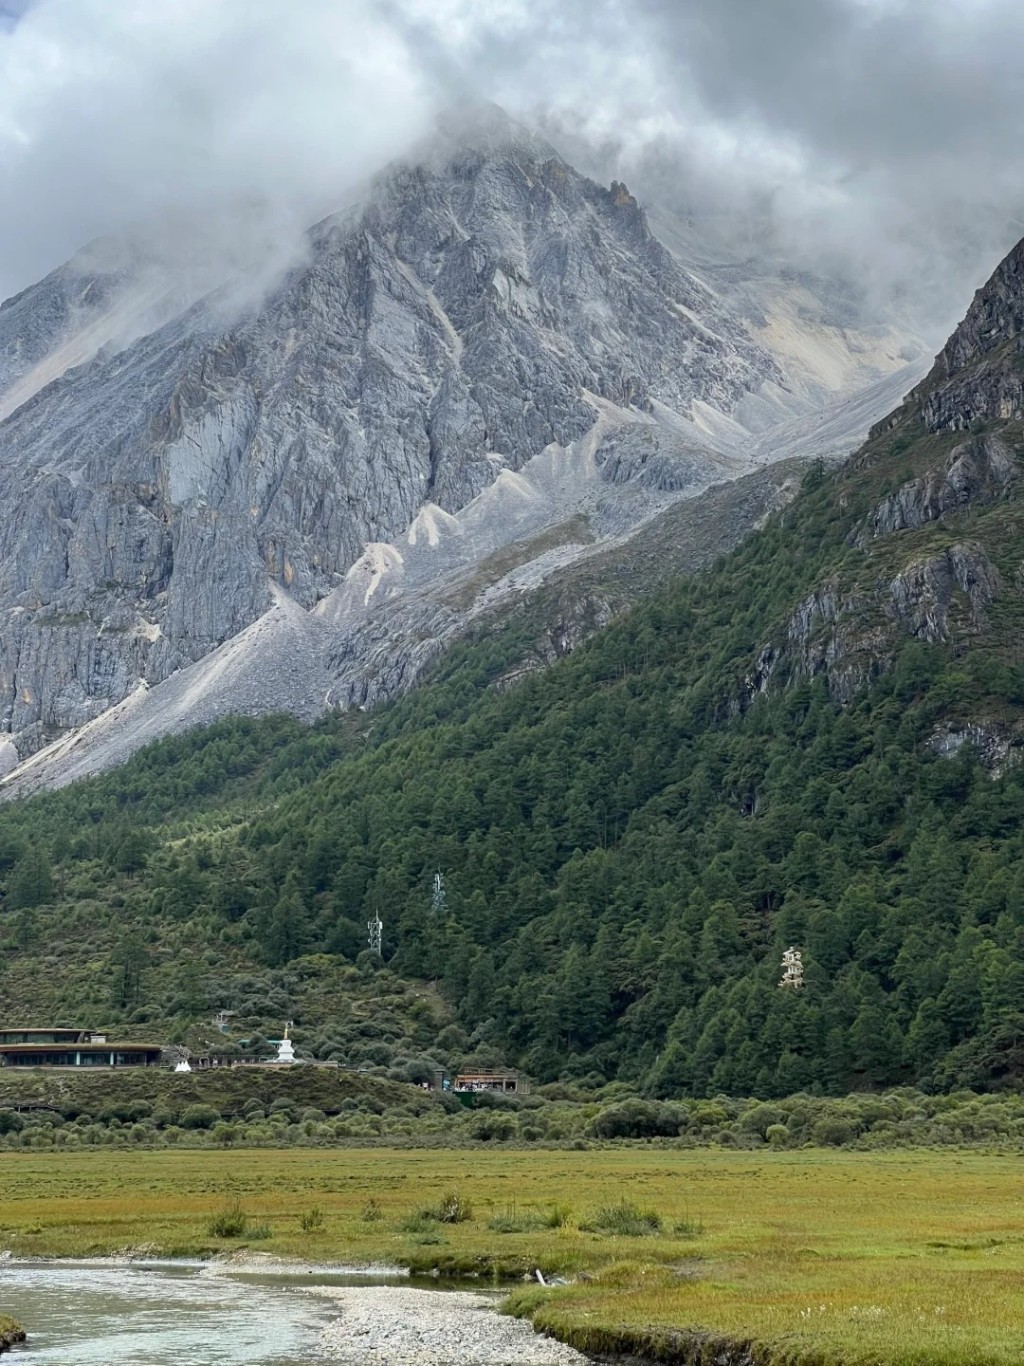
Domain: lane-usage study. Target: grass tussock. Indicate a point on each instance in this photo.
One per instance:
(515, 1220)
(624, 1220)
(11, 1332)
(452, 1208)
(312, 1220)
(234, 1221)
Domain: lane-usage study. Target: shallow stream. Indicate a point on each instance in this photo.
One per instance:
(155, 1314)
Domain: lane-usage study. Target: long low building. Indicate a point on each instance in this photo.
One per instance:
(72, 1048)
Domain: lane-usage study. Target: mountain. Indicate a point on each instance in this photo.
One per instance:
(814, 742)
(298, 496)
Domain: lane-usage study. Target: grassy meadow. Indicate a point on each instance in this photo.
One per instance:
(911, 1257)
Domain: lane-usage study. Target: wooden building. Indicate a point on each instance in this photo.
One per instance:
(505, 1083)
(55, 1047)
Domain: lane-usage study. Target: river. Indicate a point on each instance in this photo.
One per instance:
(153, 1314)
(209, 1314)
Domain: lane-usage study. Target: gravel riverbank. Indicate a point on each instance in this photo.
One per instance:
(399, 1326)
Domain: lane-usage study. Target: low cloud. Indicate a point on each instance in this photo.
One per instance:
(877, 138)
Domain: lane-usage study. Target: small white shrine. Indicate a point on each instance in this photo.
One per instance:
(285, 1050)
(792, 969)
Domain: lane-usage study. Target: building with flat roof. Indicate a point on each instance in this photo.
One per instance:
(506, 1083)
(57, 1047)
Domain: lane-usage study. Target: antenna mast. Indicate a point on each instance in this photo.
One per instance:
(376, 928)
(437, 896)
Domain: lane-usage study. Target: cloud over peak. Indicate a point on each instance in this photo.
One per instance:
(881, 134)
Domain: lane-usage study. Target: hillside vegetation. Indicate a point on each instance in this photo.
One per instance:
(813, 743)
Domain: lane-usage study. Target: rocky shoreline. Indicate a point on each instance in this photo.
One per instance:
(405, 1326)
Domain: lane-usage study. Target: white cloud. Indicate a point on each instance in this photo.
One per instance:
(882, 134)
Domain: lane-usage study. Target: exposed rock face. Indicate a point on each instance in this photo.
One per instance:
(979, 471)
(996, 749)
(831, 632)
(923, 593)
(488, 347)
(447, 331)
(979, 374)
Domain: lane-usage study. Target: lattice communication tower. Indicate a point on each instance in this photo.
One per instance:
(376, 928)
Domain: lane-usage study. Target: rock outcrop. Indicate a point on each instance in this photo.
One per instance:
(979, 373)
(979, 472)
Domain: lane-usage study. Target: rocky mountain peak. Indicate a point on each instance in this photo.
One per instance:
(979, 376)
(487, 345)
(995, 317)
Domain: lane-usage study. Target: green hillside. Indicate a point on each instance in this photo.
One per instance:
(813, 743)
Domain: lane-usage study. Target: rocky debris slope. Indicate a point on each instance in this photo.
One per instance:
(375, 638)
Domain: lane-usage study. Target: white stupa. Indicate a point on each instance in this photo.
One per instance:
(285, 1051)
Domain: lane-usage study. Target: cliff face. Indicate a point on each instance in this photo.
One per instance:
(447, 331)
(933, 513)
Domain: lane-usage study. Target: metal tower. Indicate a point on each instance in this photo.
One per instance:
(376, 928)
(437, 896)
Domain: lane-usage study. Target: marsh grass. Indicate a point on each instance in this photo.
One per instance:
(230, 1222)
(895, 1259)
(688, 1227)
(11, 1332)
(234, 1221)
(515, 1220)
(312, 1220)
(623, 1220)
(558, 1216)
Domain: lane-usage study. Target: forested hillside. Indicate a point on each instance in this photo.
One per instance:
(813, 743)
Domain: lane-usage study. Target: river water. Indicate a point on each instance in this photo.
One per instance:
(155, 1314)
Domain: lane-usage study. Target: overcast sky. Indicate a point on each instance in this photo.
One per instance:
(884, 134)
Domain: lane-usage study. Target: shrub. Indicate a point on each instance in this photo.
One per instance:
(452, 1208)
(637, 1119)
(834, 1132)
(230, 1222)
(777, 1135)
(199, 1117)
(494, 1127)
(373, 1211)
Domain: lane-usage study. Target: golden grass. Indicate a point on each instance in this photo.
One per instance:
(838, 1256)
(11, 1332)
